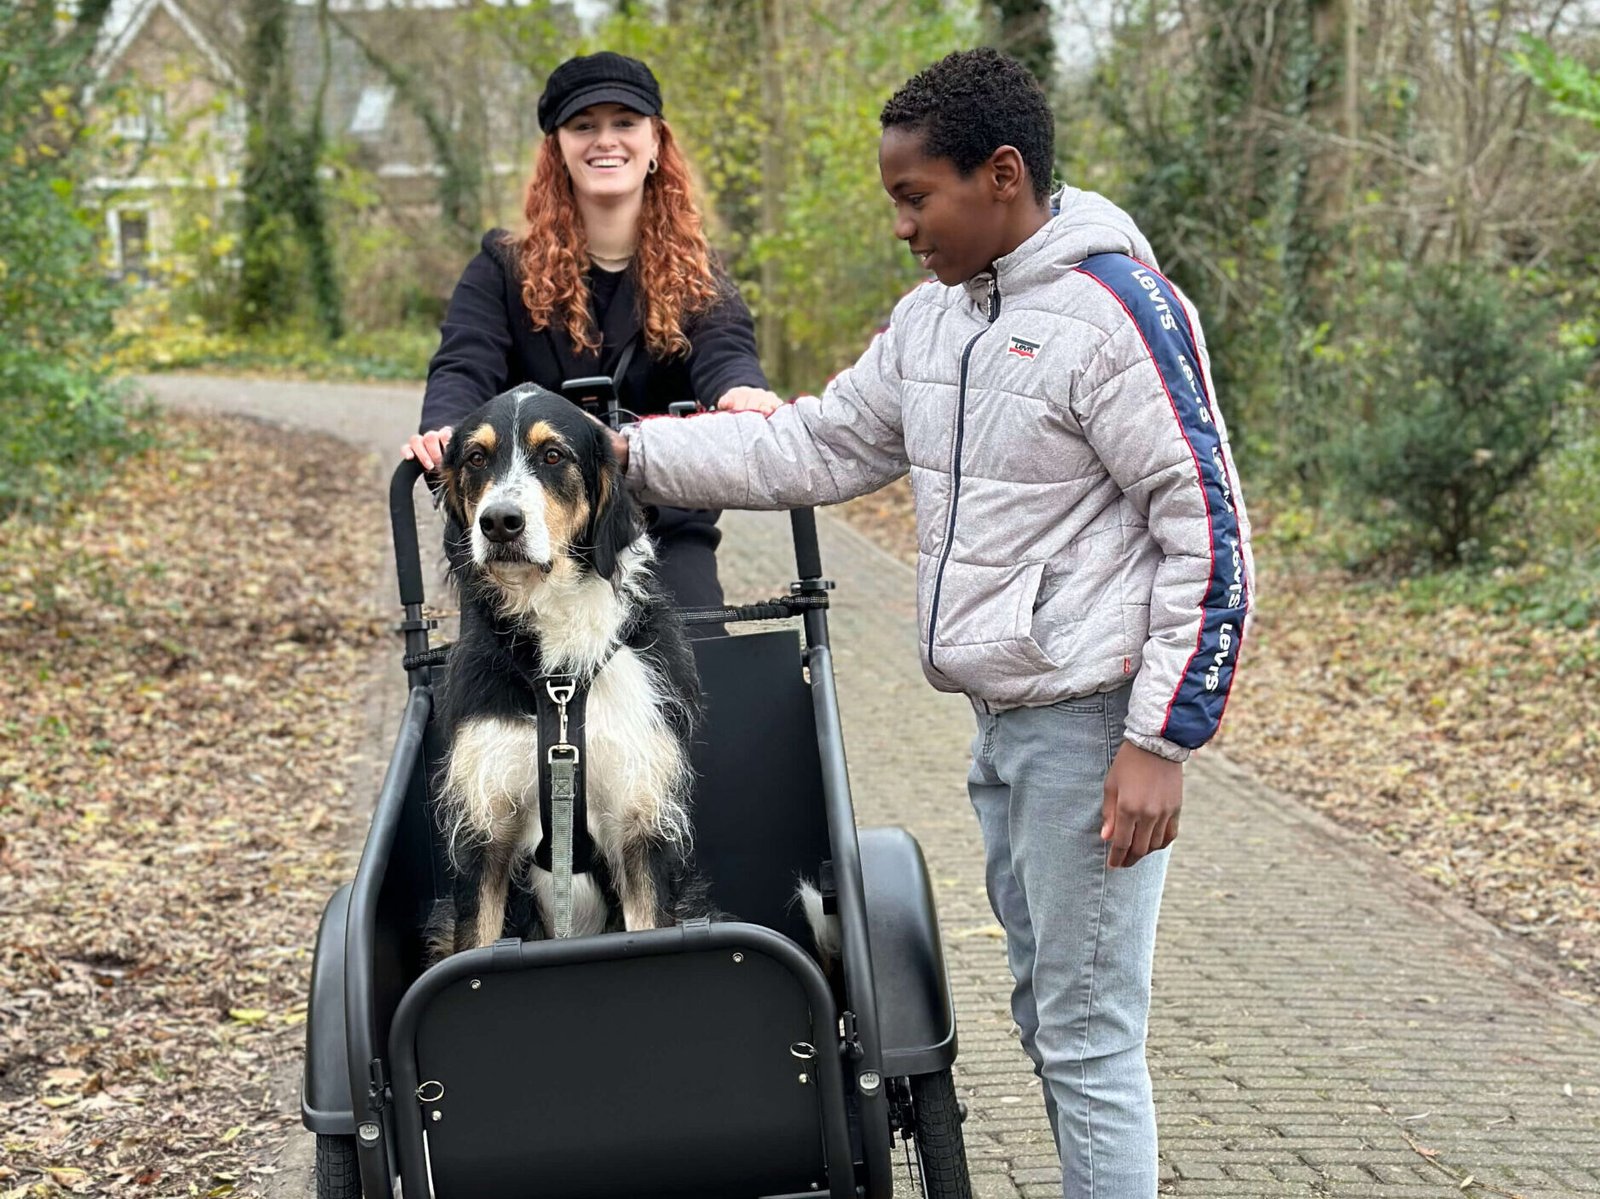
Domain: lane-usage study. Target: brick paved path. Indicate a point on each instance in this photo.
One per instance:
(1324, 1024)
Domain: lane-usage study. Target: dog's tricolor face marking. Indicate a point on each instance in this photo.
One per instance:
(531, 483)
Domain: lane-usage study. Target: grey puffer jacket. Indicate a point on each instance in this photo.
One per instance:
(1079, 520)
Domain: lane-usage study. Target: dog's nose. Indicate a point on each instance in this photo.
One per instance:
(501, 522)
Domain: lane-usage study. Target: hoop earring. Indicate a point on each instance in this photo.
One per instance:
(654, 167)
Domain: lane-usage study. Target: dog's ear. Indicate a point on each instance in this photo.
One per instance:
(457, 533)
(449, 487)
(613, 516)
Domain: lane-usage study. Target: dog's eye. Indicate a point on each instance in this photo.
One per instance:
(476, 459)
(553, 457)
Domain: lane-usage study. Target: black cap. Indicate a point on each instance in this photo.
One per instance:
(603, 78)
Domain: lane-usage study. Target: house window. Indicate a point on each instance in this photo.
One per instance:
(133, 239)
(372, 111)
(146, 121)
(133, 126)
(233, 120)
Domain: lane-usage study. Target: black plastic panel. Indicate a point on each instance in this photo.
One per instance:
(325, 1088)
(671, 1076)
(916, 1020)
(760, 824)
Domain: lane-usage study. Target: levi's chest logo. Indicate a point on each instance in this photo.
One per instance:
(1023, 347)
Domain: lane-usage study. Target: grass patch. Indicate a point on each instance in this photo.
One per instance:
(376, 355)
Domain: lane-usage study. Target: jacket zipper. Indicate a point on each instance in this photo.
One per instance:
(955, 465)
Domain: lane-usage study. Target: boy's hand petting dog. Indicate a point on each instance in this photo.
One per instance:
(750, 399)
(735, 399)
(1144, 794)
(427, 448)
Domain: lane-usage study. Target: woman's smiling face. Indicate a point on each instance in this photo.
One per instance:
(608, 150)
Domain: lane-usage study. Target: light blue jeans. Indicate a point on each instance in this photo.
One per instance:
(1080, 937)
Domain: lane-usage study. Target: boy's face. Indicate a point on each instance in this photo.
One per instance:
(955, 225)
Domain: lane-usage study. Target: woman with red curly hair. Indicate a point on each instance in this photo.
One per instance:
(611, 275)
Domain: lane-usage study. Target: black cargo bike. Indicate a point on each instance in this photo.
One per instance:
(707, 1060)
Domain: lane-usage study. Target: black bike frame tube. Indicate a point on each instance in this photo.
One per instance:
(815, 622)
(612, 947)
(403, 524)
(860, 987)
(360, 1015)
(808, 568)
(807, 555)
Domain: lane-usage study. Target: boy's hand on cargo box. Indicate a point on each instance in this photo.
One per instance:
(1143, 796)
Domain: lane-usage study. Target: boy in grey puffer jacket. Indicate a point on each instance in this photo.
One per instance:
(1084, 567)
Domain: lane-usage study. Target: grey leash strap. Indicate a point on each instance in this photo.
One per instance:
(565, 848)
(562, 760)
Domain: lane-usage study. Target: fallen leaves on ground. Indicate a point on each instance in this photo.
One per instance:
(1467, 744)
(183, 656)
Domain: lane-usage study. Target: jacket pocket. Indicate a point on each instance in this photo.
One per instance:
(1058, 613)
(986, 614)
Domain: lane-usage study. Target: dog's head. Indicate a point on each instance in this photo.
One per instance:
(531, 489)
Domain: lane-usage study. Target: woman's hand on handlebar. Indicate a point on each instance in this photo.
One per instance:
(750, 399)
(427, 448)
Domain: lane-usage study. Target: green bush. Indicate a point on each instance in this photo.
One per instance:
(65, 429)
(56, 300)
(1462, 382)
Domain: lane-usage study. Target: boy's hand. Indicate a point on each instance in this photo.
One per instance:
(1143, 796)
(619, 450)
(749, 399)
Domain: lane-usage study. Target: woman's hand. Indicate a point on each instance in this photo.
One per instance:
(749, 399)
(427, 448)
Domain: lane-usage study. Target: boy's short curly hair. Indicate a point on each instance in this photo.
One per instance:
(969, 104)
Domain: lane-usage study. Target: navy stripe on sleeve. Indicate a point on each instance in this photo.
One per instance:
(1152, 303)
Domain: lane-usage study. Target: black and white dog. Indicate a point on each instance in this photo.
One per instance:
(554, 571)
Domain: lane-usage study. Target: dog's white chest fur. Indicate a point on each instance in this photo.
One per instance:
(634, 772)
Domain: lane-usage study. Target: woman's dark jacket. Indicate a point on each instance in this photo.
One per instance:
(488, 345)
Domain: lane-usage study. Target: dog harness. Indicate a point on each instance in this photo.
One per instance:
(560, 709)
(565, 848)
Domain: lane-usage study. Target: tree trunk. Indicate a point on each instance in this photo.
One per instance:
(770, 327)
(310, 213)
(283, 200)
(1025, 34)
(91, 16)
(264, 288)
(460, 188)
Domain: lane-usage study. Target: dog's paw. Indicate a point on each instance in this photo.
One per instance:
(439, 933)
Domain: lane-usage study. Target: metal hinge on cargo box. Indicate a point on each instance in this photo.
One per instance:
(827, 888)
(377, 1086)
(850, 1047)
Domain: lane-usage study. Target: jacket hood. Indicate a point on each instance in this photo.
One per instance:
(1085, 224)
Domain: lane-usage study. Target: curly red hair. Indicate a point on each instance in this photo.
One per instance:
(672, 264)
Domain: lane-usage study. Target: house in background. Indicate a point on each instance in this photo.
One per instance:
(401, 78)
(171, 103)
